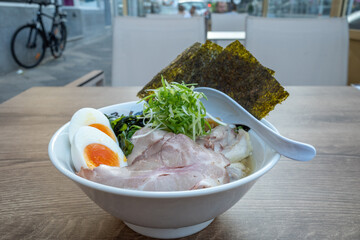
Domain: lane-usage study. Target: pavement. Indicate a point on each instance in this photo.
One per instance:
(79, 58)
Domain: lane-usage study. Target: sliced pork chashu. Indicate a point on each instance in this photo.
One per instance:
(169, 162)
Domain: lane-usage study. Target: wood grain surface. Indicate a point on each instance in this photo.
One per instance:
(319, 199)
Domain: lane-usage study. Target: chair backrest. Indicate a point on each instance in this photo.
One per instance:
(142, 47)
(228, 22)
(164, 16)
(301, 51)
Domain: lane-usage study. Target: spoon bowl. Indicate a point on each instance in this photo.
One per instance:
(232, 112)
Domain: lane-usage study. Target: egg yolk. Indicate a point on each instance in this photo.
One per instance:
(96, 154)
(104, 129)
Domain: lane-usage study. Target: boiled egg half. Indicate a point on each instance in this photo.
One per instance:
(93, 118)
(92, 147)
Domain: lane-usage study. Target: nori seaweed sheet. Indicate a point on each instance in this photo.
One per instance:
(186, 67)
(239, 74)
(232, 70)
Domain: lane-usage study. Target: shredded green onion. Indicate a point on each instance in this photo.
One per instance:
(176, 108)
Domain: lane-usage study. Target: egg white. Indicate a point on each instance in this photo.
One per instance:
(89, 135)
(86, 117)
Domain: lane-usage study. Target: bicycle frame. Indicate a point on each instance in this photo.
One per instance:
(39, 21)
(36, 36)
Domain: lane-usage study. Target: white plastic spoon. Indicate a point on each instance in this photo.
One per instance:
(230, 111)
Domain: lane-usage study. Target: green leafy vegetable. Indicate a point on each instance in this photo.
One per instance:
(177, 108)
(124, 128)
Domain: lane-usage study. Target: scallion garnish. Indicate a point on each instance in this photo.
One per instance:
(177, 108)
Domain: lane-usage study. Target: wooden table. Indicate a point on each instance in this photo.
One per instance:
(319, 199)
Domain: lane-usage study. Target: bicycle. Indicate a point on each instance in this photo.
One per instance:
(29, 42)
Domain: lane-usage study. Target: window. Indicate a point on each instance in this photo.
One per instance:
(89, 3)
(353, 13)
(299, 8)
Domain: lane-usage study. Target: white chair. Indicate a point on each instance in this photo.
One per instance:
(164, 16)
(228, 22)
(142, 47)
(301, 51)
(223, 22)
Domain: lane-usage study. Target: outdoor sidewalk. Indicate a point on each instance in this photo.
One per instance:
(79, 58)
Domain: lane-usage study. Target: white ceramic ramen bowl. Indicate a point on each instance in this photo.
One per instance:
(162, 214)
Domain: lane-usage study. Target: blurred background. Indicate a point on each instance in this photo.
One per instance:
(103, 35)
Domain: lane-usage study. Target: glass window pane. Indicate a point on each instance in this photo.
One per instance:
(252, 7)
(299, 8)
(88, 3)
(353, 13)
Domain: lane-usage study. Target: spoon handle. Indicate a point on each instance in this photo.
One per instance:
(286, 147)
(289, 148)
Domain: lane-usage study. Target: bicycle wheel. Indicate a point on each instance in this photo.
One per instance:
(28, 46)
(58, 40)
